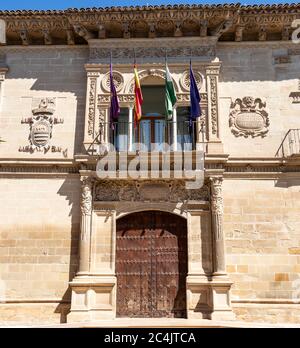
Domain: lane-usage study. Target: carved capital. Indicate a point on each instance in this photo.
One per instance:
(216, 197)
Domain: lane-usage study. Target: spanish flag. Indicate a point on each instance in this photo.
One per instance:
(138, 97)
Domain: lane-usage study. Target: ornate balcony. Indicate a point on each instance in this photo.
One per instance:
(150, 135)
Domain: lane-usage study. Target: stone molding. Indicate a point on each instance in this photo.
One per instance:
(254, 167)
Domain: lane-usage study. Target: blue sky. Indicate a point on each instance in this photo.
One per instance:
(63, 4)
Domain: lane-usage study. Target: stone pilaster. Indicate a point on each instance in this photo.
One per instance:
(213, 130)
(217, 226)
(90, 131)
(85, 233)
(221, 284)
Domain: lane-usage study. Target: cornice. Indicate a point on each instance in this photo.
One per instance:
(228, 22)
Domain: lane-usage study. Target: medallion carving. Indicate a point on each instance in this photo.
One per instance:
(185, 80)
(248, 117)
(118, 81)
(41, 126)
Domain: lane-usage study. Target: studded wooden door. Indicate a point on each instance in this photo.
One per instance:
(151, 265)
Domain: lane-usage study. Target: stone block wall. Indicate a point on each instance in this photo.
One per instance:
(254, 70)
(262, 228)
(36, 73)
(39, 231)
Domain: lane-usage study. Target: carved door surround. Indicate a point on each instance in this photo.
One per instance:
(104, 202)
(150, 58)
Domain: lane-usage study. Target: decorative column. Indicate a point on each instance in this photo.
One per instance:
(220, 284)
(130, 129)
(212, 78)
(85, 233)
(174, 129)
(94, 287)
(90, 131)
(217, 226)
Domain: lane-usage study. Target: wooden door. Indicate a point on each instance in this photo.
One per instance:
(151, 265)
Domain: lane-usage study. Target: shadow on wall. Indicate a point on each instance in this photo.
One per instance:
(56, 72)
(287, 182)
(71, 191)
(258, 63)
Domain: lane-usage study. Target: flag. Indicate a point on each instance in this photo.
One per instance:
(171, 99)
(195, 97)
(138, 101)
(114, 101)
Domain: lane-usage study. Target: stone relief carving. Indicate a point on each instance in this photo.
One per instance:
(118, 81)
(92, 100)
(185, 80)
(86, 196)
(123, 98)
(185, 97)
(41, 126)
(216, 198)
(151, 52)
(214, 104)
(148, 191)
(248, 117)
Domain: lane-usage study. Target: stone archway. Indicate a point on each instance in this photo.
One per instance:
(158, 73)
(151, 265)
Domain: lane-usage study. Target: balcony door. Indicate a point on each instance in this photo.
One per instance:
(151, 133)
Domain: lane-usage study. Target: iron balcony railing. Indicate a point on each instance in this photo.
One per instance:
(150, 135)
(290, 144)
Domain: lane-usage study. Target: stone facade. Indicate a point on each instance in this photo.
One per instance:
(58, 220)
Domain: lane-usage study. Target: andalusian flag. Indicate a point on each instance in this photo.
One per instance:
(138, 97)
(171, 99)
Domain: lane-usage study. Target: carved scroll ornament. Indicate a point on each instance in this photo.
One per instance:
(248, 117)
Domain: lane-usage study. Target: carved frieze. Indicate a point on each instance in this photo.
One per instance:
(92, 107)
(150, 52)
(123, 98)
(41, 126)
(248, 117)
(185, 97)
(214, 104)
(148, 191)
